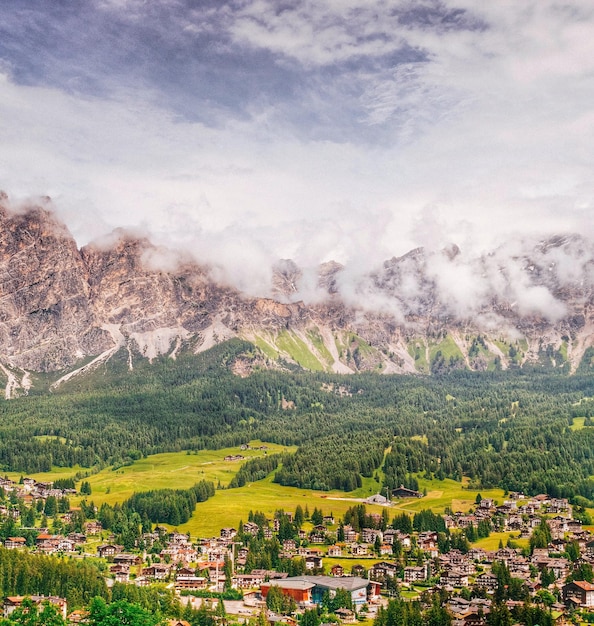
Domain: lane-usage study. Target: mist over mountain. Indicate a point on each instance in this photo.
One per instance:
(67, 309)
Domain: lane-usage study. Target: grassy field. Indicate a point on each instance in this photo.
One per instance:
(179, 470)
(442, 494)
(228, 507)
(492, 542)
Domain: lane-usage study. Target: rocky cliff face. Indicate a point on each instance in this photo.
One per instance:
(61, 307)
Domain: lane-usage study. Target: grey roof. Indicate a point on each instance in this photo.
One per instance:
(349, 583)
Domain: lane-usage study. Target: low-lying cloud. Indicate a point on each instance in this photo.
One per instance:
(247, 132)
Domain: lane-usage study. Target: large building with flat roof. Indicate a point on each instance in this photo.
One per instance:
(311, 589)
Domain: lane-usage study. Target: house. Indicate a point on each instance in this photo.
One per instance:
(380, 571)
(186, 578)
(413, 574)
(403, 492)
(359, 549)
(157, 571)
(368, 535)
(14, 602)
(350, 535)
(487, 581)
(289, 545)
(454, 578)
(335, 551)
(579, 592)
(127, 559)
(93, 528)
(228, 533)
(12, 543)
(337, 570)
(250, 528)
(108, 550)
(313, 562)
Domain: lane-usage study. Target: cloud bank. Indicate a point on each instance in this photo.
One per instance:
(255, 130)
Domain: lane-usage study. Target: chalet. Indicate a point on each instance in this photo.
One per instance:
(122, 577)
(179, 539)
(93, 528)
(368, 535)
(486, 503)
(108, 550)
(427, 541)
(337, 570)
(289, 545)
(350, 535)
(359, 549)
(358, 570)
(413, 574)
(242, 555)
(454, 578)
(185, 578)
(579, 593)
(390, 535)
(12, 543)
(313, 562)
(403, 492)
(14, 602)
(250, 528)
(476, 554)
(328, 520)
(487, 581)
(380, 571)
(267, 532)
(228, 533)
(157, 571)
(127, 559)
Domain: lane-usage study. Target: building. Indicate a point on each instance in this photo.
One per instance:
(579, 592)
(403, 492)
(14, 602)
(311, 589)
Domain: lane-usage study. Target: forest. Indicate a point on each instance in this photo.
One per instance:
(523, 430)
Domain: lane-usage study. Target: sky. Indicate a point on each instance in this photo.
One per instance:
(248, 131)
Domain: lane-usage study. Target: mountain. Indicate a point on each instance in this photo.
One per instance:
(65, 310)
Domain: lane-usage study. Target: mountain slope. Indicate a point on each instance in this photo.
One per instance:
(64, 309)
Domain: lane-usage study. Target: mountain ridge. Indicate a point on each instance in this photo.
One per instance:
(62, 307)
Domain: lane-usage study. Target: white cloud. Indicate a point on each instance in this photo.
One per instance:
(488, 137)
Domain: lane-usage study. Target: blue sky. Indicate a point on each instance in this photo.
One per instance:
(253, 130)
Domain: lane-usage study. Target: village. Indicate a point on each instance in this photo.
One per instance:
(320, 556)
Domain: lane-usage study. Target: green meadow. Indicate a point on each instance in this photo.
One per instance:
(180, 470)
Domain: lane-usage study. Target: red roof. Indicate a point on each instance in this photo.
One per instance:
(582, 584)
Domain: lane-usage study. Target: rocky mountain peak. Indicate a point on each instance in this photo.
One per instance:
(417, 312)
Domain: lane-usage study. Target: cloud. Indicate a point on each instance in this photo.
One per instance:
(247, 132)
